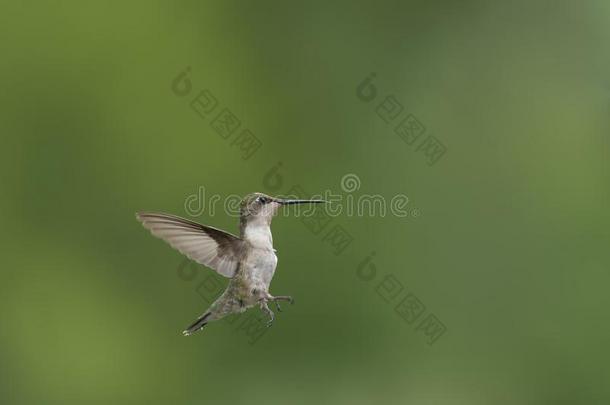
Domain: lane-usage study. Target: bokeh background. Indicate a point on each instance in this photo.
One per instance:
(509, 249)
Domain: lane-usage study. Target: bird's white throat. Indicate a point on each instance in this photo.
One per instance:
(258, 234)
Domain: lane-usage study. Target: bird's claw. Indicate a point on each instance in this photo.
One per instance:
(263, 303)
(269, 312)
(283, 298)
(271, 318)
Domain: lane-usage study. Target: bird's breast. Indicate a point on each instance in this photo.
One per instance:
(259, 267)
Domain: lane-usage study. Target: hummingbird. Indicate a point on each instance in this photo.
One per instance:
(248, 260)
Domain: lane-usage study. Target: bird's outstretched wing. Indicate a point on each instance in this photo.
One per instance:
(209, 246)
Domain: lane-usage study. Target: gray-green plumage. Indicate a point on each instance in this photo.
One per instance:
(249, 260)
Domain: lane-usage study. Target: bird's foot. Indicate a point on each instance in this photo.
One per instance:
(265, 309)
(278, 298)
(281, 298)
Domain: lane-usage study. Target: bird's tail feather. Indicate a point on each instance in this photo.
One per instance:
(197, 325)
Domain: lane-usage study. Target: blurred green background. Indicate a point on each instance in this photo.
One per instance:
(510, 250)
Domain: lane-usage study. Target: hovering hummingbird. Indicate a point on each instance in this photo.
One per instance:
(248, 260)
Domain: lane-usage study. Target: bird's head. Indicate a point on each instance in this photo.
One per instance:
(261, 207)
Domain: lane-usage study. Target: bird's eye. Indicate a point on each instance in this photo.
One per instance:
(261, 200)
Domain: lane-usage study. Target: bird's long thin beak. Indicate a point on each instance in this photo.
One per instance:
(288, 202)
